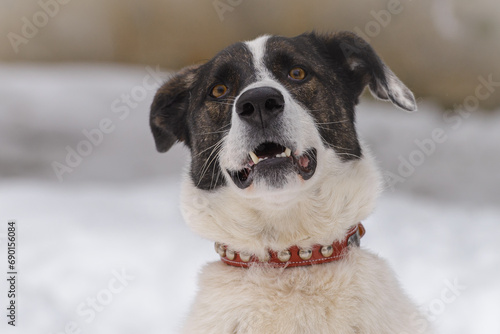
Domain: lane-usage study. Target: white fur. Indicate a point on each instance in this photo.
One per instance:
(258, 49)
(396, 91)
(321, 211)
(356, 295)
(399, 92)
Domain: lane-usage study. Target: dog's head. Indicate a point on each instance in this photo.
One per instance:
(260, 114)
(274, 116)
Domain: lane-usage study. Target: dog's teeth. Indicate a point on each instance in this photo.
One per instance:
(254, 157)
(288, 152)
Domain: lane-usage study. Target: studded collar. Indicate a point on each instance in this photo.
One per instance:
(295, 256)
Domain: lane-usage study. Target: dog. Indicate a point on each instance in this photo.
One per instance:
(279, 179)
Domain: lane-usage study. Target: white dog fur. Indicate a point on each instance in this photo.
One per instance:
(356, 295)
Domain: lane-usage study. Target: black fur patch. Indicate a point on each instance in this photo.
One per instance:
(327, 92)
(184, 111)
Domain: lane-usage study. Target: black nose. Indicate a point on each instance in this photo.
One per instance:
(259, 106)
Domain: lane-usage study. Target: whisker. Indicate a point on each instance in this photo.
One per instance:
(209, 160)
(210, 133)
(324, 128)
(350, 154)
(337, 122)
(219, 130)
(207, 166)
(224, 103)
(217, 143)
(219, 172)
(339, 148)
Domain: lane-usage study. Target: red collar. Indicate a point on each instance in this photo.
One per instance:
(294, 256)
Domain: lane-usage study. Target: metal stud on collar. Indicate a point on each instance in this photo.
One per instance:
(327, 251)
(245, 257)
(230, 254)
(355, 239)
(284, 255)
(305, 254)
(219, 248)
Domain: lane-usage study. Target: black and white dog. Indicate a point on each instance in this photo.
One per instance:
(280, 181)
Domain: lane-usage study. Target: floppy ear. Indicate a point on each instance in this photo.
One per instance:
(366, 68)
(169, 108)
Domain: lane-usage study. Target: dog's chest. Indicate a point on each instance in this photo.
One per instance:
(358, 294)
(299, 300)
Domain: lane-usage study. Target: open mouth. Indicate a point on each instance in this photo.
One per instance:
(272, 160)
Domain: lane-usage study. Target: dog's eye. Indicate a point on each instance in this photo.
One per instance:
(218, 91)
(297, 73)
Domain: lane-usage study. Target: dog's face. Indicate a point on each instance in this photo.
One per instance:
(271, 116)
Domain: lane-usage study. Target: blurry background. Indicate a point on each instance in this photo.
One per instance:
(438, 47)
(92, 197)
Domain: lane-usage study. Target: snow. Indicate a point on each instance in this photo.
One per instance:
(118, 210)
